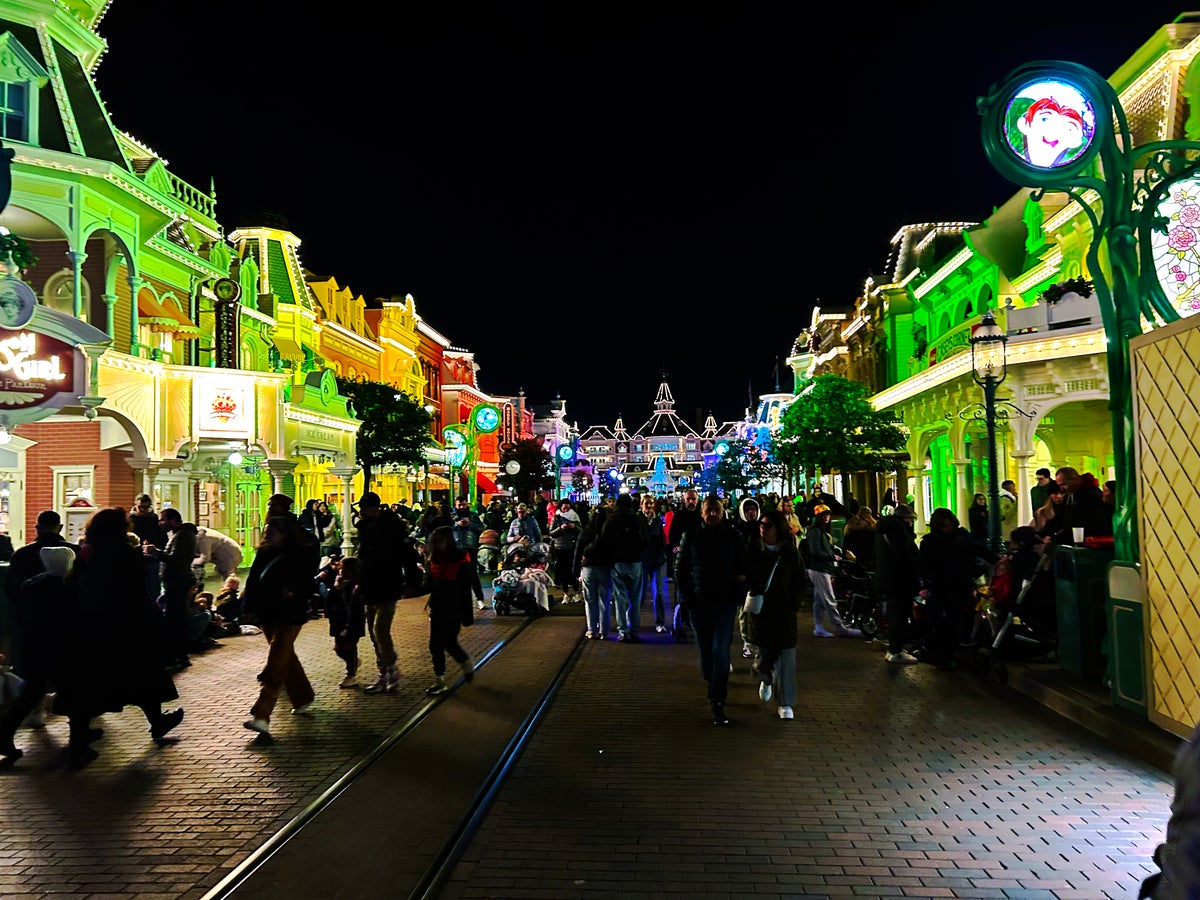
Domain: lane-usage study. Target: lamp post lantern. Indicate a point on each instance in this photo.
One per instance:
(989, 366)
(464, 439)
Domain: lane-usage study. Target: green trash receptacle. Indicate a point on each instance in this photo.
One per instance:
(1080, 591)
(1126, 645)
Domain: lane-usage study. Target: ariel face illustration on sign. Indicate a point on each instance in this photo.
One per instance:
(1049, 124)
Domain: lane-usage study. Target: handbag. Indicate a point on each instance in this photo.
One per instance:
(754, 602)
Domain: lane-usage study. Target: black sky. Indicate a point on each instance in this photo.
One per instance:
(584, 196)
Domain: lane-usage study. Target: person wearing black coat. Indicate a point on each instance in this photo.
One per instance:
(778, 575)
(276, 600)
(115, 641)
(950, 561)
(897, 577)
(43, 604)
(711, 572)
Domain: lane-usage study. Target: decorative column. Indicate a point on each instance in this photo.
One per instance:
(346, 473)
(147, 467)
(278, 469)
(962, 495)
(77, 257)
(1024, 461)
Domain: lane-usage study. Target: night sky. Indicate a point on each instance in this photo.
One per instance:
(587, 197)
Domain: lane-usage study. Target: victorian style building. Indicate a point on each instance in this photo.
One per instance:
(148, 350)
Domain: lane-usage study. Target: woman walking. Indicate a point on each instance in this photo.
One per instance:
(449, 580)
(117, 629)
(822, 562)
(276, 600)
(775, 574)
(595, 574)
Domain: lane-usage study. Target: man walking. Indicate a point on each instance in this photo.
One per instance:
(654, 565)
(683, 519)
(627, 535)
(710, 574)
(896, 578)
(175, 571)
(381, 583)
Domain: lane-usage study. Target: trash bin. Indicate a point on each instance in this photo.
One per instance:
(1126, 646)
(1080, 593)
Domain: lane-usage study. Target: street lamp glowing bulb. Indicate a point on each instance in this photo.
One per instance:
(235, 458)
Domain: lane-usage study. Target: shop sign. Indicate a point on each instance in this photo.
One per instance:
(222, 410)
(35, 370)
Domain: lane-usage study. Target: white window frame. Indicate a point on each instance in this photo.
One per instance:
(58, 473)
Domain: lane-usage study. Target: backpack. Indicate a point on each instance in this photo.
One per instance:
(629, 534)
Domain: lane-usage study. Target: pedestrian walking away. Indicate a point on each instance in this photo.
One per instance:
(711, 574)
(380, 545)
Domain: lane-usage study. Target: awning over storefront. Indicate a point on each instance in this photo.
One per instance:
(164, 317)
(485, 484)
(287, 348)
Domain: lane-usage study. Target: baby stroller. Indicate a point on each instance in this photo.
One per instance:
(1021, 617)
(510, 592)
(855, 597)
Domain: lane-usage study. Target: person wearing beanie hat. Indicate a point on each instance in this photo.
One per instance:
(896, 579)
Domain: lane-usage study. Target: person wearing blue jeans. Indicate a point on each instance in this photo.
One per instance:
(710, 574)
(594, 560)
(627, 535)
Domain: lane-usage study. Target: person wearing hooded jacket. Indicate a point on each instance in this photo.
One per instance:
(746, 523)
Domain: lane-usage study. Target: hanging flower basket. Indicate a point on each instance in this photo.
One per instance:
(18, 248)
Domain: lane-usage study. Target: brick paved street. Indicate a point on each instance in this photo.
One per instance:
(890, 782)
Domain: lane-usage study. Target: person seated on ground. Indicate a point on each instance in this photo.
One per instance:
(228, 601)
(199, 620)
(327, 575)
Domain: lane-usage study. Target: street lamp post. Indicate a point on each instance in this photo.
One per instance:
(1121, 187)
(989, 366)
(462, 443)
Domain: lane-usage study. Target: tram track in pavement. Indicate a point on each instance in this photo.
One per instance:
(441, 807)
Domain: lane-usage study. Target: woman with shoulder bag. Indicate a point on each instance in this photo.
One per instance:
(775, 574)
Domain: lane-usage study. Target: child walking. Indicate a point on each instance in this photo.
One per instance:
(347, 618)
(449, 579)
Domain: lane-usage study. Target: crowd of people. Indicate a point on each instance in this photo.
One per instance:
(704, 569)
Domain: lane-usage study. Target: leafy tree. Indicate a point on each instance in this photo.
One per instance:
(832, 426)
(537, 471)
(395, 427)
(581, 481)
(744, 465)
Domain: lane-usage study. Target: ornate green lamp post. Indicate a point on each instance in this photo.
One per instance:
(1059, 126)
(462, 445)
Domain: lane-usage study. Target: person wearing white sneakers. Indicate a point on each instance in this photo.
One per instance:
(897, 577)
(822, 562)
(276, 596)
(654, 565)
(777, 574)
